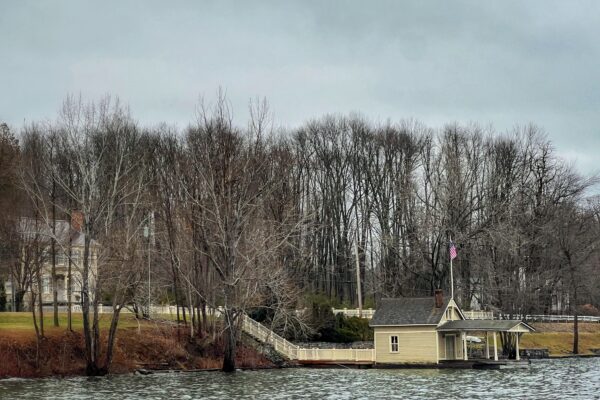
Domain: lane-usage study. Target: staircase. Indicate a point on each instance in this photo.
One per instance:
(265, 335)
(306, 356)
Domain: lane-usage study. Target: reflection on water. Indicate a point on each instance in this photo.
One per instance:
(546, 379)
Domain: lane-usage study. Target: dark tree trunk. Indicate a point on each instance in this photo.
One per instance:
(19, 296)
(230, 336)
(40, 300)
(112, 335)
(576, 333)
(38, 337)
(69, 290)
(53, 249)
(89, 330)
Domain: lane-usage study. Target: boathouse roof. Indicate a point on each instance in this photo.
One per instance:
(409, 311)
(486, 325)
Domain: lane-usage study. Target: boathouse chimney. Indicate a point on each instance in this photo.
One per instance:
(76, 220)
(438, 295)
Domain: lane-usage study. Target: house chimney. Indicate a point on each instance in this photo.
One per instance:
(77, 220)
(438, 295)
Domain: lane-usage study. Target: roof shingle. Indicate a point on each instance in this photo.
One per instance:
(409, 311)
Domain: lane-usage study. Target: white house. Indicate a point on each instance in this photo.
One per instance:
(69, 251)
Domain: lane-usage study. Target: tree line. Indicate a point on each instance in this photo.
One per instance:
(256, 217)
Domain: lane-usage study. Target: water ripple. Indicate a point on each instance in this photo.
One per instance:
(565, 379)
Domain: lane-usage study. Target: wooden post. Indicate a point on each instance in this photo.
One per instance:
(517, 357)
(487, 345)
(495, 348)
(465, 352)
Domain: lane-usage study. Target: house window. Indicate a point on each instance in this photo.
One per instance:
(61, 258)
(394, 344)
(46, 285)
(449, 313)
(75, 257)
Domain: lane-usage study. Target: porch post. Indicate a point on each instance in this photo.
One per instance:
(517, 346)
(495, 348)
(487, 345)
(465, 354)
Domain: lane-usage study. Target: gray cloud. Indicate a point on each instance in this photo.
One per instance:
(500, 63)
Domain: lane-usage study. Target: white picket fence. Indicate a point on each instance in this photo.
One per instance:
(549, 318)
(154, 310)
(368, 313)
(355, 312)
(479, 314)
(337, 355)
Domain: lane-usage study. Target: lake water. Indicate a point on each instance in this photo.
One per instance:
(546, 379)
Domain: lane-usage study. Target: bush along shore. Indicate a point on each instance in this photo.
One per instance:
(152, 346)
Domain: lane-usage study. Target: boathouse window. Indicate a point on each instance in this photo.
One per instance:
(394, 344)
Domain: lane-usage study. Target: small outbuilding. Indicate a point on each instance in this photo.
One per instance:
(428, 330)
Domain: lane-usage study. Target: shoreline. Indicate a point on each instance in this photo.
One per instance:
(152, 371)
(145, 372)
(151, 348)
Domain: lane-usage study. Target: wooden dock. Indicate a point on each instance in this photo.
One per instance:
(485, 364)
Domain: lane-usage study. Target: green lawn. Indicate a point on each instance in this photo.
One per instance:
(24, 320)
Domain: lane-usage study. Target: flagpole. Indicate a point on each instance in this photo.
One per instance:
(451, 281)
(451, 276)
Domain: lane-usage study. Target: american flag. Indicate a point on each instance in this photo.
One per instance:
(453, 252)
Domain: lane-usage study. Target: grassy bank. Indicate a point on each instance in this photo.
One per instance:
(558, 338)
(139, 344)
(23, 321)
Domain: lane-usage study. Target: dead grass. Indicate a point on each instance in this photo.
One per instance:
(567, 327)
(558, 338)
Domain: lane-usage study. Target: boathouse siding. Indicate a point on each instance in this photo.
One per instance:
(416, 344)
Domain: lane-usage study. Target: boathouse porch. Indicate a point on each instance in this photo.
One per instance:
(453, 344)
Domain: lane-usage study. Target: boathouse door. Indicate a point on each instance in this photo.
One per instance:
(450, 351)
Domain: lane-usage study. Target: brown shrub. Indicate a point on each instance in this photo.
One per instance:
(154, 346)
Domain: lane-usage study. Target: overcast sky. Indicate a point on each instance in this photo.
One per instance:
(501, 63)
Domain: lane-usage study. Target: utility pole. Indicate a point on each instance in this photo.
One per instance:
(358, 288)
(147, 236)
